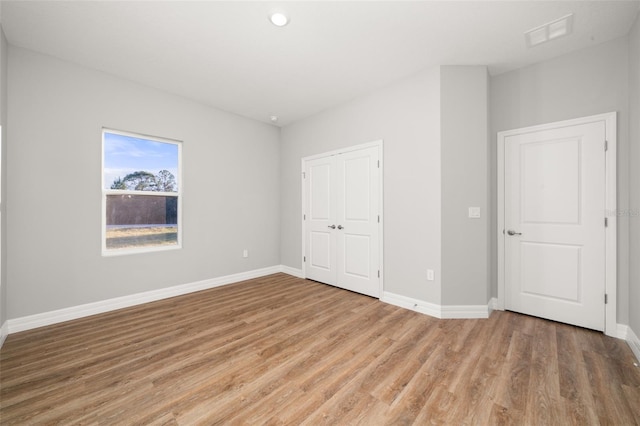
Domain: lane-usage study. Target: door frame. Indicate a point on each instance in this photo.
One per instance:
(610, 324)
(374, 144)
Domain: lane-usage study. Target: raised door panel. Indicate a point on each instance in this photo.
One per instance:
(555, 206)
(320, 247)
(357, 216)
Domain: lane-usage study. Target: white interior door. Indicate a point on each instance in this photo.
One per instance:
(341, 225)
(320, 220)
(357, 218)
(554, 221)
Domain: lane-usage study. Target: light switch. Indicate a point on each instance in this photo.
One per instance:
(474, 212)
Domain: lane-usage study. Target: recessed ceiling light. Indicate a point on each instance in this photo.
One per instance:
(550, 31)
(279, 19)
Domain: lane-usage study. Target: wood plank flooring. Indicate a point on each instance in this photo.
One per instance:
(281, 350)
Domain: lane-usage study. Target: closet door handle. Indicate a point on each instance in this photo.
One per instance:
(340, 227)
(331, 226)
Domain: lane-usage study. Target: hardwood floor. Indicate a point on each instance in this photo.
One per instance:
(281, 350)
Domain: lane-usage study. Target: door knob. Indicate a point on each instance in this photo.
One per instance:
(340, 227)
(331, 226)
(512, 232)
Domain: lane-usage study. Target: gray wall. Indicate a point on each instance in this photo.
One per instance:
(434, 169)
(3, 181)
(464, 129)
(242, 178)
(590, 81)
(406, 116)
(230, 175)
(634, 160)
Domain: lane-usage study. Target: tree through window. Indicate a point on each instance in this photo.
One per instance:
(141, 193)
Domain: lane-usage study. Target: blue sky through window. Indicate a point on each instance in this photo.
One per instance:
(128, 154)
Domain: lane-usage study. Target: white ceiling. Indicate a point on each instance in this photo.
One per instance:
(228, 55)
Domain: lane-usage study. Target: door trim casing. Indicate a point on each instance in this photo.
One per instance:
(610, 120)
(374, 144)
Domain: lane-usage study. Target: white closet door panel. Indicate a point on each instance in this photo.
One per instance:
(342, 207)
(357, 215)
(320, 250)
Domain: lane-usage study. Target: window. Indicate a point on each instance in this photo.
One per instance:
(141, 193)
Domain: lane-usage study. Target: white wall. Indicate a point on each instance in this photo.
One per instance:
(406, 116)
(56, 111)
(634, 167)
(587, 82)
(464, 129)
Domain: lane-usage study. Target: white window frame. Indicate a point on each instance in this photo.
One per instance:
(105, 192)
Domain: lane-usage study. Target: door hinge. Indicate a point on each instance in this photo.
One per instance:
(378, 218)
(606, 222)
(606, 298)
(378, 273)
(304, 175)
(304, 217)
(378, 163)
(304, 259)
(606, 145)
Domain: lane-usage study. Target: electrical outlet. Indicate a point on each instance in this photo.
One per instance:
(430, 275)
(245, 253)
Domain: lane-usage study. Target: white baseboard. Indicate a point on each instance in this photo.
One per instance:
(53, 317)
(4, 332)
(412, 304)
(632, 340)
(493, 304)
(465, 311)
(291, 271)
(435, 310)
(622, 331)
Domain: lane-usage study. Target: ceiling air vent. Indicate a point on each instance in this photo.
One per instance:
(549, 31)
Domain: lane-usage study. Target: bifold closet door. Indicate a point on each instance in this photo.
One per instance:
(342, 220)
